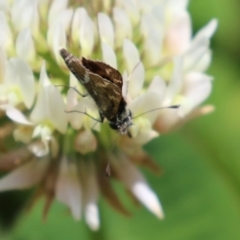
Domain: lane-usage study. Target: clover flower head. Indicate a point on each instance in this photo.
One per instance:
(64, 155)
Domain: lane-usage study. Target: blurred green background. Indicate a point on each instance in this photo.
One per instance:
(200, 185)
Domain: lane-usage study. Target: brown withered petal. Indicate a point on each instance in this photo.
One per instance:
(14, 159)
(143, 159)
(109, 194)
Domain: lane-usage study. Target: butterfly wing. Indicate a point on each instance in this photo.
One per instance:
(106, 93)
(104, 70)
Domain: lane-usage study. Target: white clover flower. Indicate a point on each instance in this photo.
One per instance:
(65, 154)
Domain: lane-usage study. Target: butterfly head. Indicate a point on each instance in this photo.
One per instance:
(122, 122)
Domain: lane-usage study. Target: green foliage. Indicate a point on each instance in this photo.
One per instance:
(199, 188)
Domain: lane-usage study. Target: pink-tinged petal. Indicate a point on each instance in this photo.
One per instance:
(136, 183)
(20, 74)
(131, 54)
(85, 142)
(56, 109)
(3, 64)
(106, 29)
(91, 193)
(68, 189)
(17, 116)
(177, 5)
(123, 26)
(25, 46)
(136, 80)
(86, 35)
(178, 34)
(56, 7)
(25, 176)
(109, 56)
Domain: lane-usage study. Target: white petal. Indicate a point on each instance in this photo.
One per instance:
(24, 45)
(20, 74)
(148, 198)
(207, 31)
(57, 39)
(135, 182)
(4, 5)
(25, 15)
(106, 29)
(152, 32)
(6, 35)
(92, 216)
(17, 116)
(132, 9)
(144, 103)
(68, 189)
(193, 57)
(39, 148)
(123, 26)
(136, 80)
(176, 79)
(86, 35)
(41, 108)
(197, 89)
(3, 64)
(43, 79)
(158, 85)
(56, 7)
(90, 196)
(131, 54)
(109, 56)
(71, 99)
(56, 109)
(203, 63)
(25, 176)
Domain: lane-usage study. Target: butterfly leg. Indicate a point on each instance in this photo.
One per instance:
(100, 120)
(75, 89)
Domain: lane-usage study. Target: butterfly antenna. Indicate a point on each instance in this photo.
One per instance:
(155, 109)
(108, 169)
